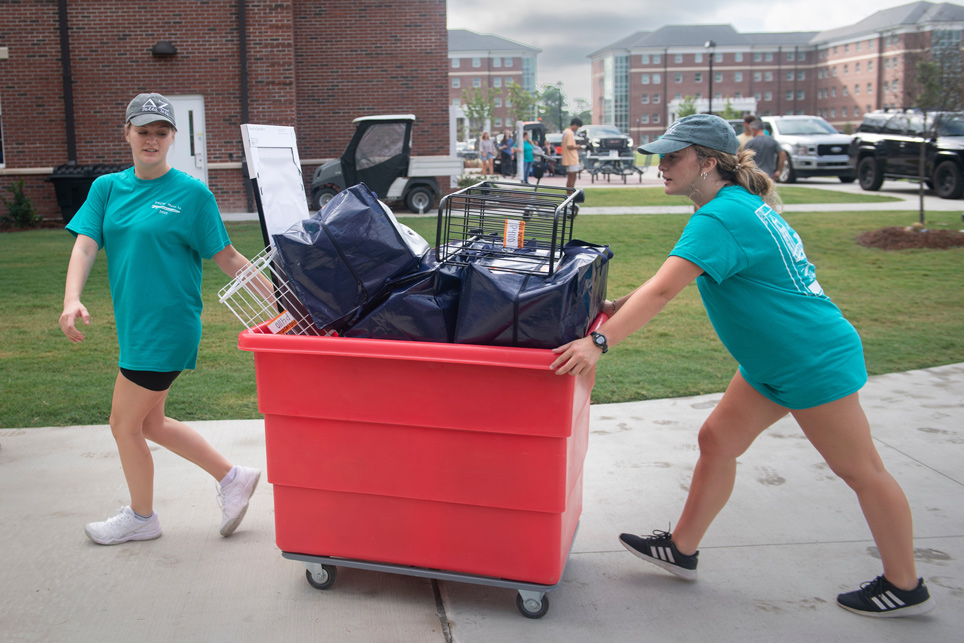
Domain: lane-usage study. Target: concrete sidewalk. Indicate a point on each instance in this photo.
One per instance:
(791, 538)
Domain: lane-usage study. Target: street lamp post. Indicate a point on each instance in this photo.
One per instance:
(559, 110)
(709, 45)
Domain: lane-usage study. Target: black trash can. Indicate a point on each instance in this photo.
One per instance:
(72, 183)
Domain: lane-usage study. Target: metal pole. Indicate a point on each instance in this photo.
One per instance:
(709, 45)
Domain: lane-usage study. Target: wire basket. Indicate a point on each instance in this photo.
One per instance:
(261, 298)
(512, 226)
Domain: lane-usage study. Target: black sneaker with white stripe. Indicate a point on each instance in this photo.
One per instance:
(660, 550)
(880, 599)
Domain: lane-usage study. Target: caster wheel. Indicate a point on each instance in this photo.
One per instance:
(532, 608)
(323, 580)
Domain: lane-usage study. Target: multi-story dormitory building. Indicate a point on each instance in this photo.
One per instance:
(489, 63)
(840, 74)
(68, 69)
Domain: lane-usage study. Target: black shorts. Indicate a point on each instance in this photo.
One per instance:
(151, 380)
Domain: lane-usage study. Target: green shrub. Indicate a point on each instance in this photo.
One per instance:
(21, 212)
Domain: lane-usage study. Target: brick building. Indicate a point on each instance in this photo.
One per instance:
(488, 63)
(69, 68)
(638, 82)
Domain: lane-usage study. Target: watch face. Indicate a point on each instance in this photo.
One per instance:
(600, 340)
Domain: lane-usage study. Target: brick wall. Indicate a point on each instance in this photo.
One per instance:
(312, 65)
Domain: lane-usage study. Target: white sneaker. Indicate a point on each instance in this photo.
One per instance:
(123, 527)
(233, 498)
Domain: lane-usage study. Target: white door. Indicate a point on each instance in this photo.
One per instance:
(189, 153)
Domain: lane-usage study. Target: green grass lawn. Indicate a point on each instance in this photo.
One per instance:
(907, 306)
(654, 196)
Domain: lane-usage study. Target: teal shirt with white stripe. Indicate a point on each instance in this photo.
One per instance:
(762, 296)
(155, 234)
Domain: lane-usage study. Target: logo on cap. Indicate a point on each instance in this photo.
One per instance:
(150, 106)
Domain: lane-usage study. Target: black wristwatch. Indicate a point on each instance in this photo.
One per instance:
(600, 340)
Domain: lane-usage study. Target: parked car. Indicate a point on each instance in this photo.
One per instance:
(604, 141)
(813, 146)
(888, 146)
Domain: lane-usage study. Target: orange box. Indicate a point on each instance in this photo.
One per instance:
(446, 456)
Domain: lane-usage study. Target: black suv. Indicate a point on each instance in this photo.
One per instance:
(888, 146)
(604, 142)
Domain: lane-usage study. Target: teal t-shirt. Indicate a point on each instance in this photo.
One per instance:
(155, 234)
(527, 152)
(763, 299)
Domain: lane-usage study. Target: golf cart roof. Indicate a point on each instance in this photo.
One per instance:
(385, 117)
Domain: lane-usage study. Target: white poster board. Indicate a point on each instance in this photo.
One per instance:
(272, 155)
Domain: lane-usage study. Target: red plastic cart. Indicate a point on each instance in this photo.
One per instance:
(448, 461)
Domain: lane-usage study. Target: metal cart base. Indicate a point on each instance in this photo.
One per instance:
(531, 600)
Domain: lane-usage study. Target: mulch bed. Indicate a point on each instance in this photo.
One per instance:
(898, 238)
(43, 225)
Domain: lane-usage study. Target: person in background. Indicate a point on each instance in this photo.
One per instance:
(570, 151)
(747, 132)
(155, 224)
(550, 157)
(507, 154)
(769, 155)
(528, 156)
(797, 355)
(487, 153)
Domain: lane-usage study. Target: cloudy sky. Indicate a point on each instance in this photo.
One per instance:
(568, 30)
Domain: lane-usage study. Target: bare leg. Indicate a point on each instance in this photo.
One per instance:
(130, 406)
(728, 432)
(181, 439)
(841, 433)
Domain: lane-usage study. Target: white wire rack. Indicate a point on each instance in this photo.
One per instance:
(260, 297)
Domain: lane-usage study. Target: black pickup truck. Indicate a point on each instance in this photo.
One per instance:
(888, 146)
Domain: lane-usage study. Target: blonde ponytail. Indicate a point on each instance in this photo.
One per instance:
(742, 170)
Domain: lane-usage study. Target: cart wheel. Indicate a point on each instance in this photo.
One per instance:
(323, 579)
(532, 607)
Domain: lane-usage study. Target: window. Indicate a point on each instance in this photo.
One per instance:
(697, 58)
(843, 112)
(476, 62)
(717, 77)
(718, 58)
(657, 79)
(644, 79)
(497, 101)
(508, 62)
(856, 89)
(790, 75)
(801, 75)
(789, 94)
(833, 92)
(644, 59)
(870, 65)
(678, 78)
(856, 112)
(768, 56)
(456, 83)
(698, 77)
(833, 110)
(768, 76)
(790, 56)
(758, 96)
(845, 70)
(498, 122)
(656, 99)
(656, 59)
(677, 97)
(856, 68)
(757, 56)
(644, 99)
(844, 91)
(870, 88)
(737, 95)
(456, 101)
(655, 117)
(801, 95)
(476, 82)
(846, 49)
(497, 62)
(833, 71)
(497, 81)
(455, 63)
(757, 76)
(677, 58)
(858, 47)
(738, 76)
(644, 118)
(738, 57)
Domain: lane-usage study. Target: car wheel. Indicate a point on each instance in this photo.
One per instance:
(321, 197)
(948, 182)
(869, 175)
(787, 175)
(419, 199)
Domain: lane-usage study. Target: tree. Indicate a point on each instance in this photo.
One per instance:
(686, 107)
(583, 110)
(552, 107)
(729, 112)
(479, 106)
(520, 102)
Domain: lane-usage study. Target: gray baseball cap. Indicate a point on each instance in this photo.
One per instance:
(697, 129)
(150, 108)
